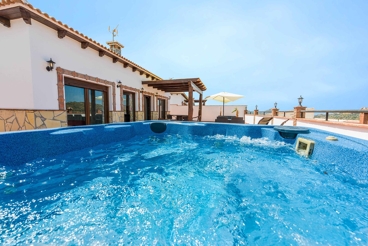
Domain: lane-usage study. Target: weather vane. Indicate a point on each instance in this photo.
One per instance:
(114, 32)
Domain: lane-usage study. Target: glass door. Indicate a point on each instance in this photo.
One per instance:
(96, 107)
(75, 105)
(86, 103)
(129, 106)
(161, 108)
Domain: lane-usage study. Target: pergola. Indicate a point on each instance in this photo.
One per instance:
(182, 85)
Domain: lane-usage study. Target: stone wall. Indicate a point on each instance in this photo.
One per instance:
(117, 116)
(139, 115)
(16, 120)
(154, 115)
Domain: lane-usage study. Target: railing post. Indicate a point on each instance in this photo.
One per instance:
(326, 116)
(298, 113)
(275, 111)
(254, 117)
(363, 118)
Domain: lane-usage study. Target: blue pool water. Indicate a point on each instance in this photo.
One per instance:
(184, 188)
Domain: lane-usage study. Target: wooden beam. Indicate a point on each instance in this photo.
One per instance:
(153, 78)
(147, 75)
(84, 45)
(5, 21)
(195, 87)
(163, 82)
(61, 33)
(180, 80)
(125, 64)
(26, 16)
(141, 72)
(170, 90)
(115, 60)
(134, 69)
(200, 108)
(190, 104)
(101, 53)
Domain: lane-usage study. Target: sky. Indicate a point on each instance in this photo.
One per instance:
(267, 51)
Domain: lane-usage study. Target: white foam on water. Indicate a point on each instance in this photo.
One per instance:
(245, 140)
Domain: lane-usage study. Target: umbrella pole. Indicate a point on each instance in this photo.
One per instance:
(223, 106)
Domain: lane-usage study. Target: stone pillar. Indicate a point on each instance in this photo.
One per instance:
(254, 117)
(275, 111)
(298, 114)
(363, 118)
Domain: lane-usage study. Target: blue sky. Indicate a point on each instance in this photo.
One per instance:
(268, 51)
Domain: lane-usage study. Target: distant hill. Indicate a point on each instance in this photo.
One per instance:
(339, 116)
(78, 107)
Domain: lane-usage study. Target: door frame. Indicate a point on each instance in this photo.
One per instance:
(147, 110)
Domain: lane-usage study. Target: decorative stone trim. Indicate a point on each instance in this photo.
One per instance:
(16, 120)
(60, 84)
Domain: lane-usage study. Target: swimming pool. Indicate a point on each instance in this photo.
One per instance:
(195, 183)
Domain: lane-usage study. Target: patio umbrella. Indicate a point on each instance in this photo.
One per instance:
(224, 97)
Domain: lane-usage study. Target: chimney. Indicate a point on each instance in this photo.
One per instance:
(115, 47)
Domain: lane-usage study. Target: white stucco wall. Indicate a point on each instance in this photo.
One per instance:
(15, 71)
(352, 131)
(344, 130)
(176, 99)
(33, 85)
(209, 112)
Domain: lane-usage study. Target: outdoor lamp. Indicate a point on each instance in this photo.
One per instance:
(119, 84)
(300, 100)
(51, 65)
(275, 104)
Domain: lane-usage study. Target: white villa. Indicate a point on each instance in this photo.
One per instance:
(53, 76)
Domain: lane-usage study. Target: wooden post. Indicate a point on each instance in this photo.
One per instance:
(190, 103)
(200, 108)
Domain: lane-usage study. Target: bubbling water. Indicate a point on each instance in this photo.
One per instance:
(213, 190)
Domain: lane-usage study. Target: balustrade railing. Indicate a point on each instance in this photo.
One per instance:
(327, 112)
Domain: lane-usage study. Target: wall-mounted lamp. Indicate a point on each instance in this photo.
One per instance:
(300, 100)
(51, 65)
(142, 89)
(256, 107)
(119, 84)
(275, 104)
